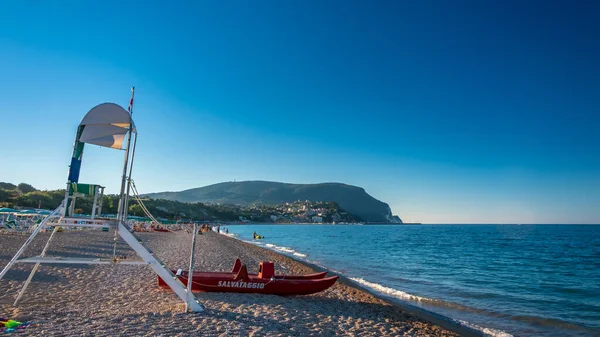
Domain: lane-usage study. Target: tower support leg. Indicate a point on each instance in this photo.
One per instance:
(161, 270)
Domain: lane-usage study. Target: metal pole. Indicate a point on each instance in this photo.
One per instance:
(129, 178)
(101, 201)
(95, 203)
(191, 269)
(124, 177)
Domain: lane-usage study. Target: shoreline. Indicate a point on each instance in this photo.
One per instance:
(430, 317)
(109, 300)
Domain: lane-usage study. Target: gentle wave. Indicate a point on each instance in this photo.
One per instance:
(391, 291)
(488, 331)
(410, 297)
(231, 235)
(285, 250)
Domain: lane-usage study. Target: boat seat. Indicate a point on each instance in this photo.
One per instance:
(266, 270)
(236, 266)
(242, 274)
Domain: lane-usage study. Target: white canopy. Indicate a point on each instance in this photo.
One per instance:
(106, 125)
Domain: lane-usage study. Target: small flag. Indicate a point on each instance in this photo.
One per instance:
(131, 100)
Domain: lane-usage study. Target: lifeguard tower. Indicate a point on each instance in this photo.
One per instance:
(106, 125)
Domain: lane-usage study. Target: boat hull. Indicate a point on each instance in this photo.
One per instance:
(221, 282)
(229, 275)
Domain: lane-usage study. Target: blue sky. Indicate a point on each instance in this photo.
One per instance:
(451, 112)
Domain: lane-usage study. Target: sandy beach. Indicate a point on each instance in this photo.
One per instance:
(82, 300)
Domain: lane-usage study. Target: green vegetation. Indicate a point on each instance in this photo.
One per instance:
(26, 196)
(351, 198)
(25, 188)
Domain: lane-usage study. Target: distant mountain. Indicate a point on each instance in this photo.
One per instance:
(351, 198)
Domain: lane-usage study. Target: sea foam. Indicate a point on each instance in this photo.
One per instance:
(391, 291)
(410, 297)
(487, 331)
(284, 249)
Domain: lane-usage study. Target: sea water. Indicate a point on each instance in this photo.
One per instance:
(504, 280)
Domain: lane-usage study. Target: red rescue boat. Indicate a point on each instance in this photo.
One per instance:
(265, 282)
(237, 266)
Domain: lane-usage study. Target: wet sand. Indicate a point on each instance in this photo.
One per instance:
(104, 300)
